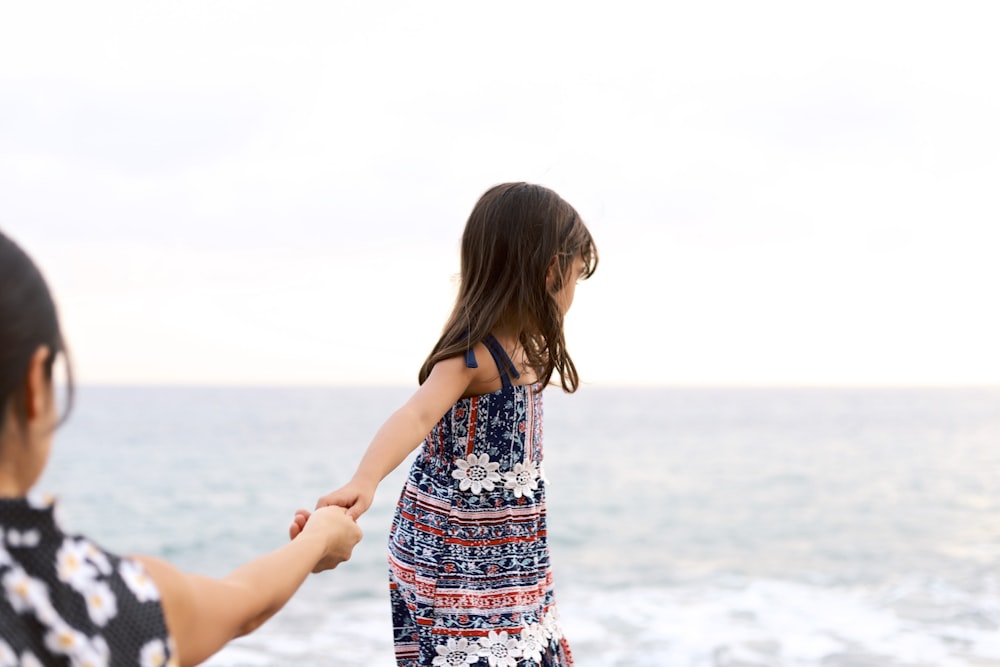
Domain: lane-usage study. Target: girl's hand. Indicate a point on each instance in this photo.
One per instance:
(333, 524)
(355, 497)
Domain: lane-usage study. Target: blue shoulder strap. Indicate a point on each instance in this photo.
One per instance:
(470, 354)
(500, 358)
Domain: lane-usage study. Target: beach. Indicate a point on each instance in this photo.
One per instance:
(731, 527)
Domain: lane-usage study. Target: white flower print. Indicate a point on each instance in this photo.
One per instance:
(72, 565)
(27, 539)
(40, 501)
(476, 473)
(138, 581)
(28, 659)
(81, 650)
(550, 625)
(532, 642)
(523, 479)
(500, 649)
(65, 639)
(102, 605)
(458, 652)
(153, 654)
(97, 557)
(44, 611)
(92, 653)
(23, 592)
(7, 656)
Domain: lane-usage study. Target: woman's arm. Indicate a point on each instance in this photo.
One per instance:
(203, 613)
(403, 432)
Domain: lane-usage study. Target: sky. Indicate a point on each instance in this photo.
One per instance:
(250, 193)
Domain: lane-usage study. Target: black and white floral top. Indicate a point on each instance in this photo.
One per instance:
(64, 601)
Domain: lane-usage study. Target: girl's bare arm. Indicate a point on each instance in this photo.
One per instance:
(403, 432)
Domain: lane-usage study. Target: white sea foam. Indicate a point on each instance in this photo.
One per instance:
(761, 623)
(316, 632)
(767, 623)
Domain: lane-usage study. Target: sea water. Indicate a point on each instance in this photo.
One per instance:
(688, 527)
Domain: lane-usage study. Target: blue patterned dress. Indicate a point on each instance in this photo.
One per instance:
(469, 576)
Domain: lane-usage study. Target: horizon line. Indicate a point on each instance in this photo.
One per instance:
(555, 385)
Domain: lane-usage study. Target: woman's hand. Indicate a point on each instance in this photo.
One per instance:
(340, 531)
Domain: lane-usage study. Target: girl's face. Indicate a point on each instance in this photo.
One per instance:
(564, 296)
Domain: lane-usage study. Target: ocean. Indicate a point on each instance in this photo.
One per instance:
(689, 527)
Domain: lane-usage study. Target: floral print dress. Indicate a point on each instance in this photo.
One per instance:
(64, 601)
(469, 576)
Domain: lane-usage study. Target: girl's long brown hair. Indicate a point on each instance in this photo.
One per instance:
(512, 237)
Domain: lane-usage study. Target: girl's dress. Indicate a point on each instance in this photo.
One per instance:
(469, 576)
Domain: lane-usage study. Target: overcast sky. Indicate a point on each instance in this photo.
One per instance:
(257, 193)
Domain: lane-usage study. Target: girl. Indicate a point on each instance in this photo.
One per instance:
(469, 562)
(65, 601)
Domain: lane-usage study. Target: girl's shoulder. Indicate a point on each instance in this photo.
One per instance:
(495, 364)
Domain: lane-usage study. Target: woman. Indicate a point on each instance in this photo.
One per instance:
(63, 600)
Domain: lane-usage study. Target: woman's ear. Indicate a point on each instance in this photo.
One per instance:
(36, 383)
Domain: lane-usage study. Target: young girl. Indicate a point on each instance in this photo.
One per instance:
(469, 562)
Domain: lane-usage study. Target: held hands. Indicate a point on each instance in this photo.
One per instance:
(339, 532)
(335, 518)
(355, 497)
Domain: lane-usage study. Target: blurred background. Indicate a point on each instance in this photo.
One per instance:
(786, 447)
(261, 193)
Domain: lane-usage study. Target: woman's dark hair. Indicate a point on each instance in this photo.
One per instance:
(513, 234)
(28, 320)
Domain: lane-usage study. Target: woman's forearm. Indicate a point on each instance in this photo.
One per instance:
(268, 582)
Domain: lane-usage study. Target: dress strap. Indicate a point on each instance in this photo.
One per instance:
(470, 354)
(500, 358)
